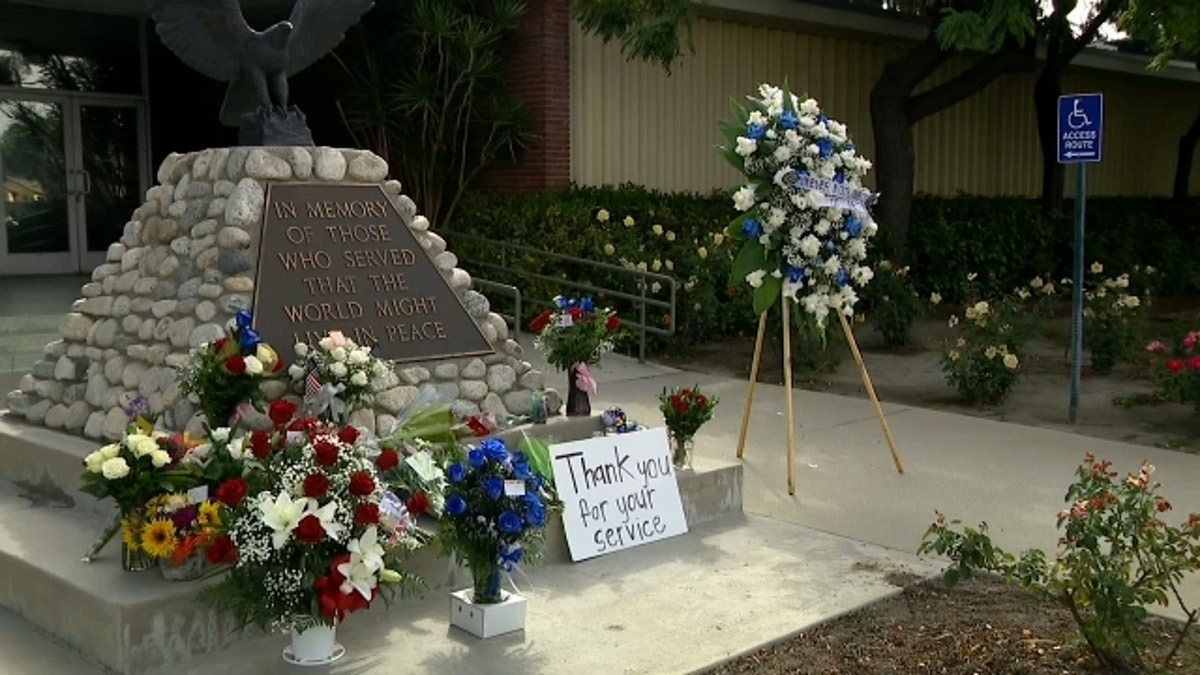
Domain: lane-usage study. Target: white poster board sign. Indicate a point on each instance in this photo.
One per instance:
(617, 491)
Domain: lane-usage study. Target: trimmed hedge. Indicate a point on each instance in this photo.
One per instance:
(1007, 241)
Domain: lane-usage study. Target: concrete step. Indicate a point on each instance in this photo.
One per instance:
(129, 623)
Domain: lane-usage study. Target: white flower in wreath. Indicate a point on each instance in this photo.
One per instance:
(743, 199)
(783, 153)
(757, 119)
(755, 278)
(810, 107)
(826, 171)
(809, 246)
(862, 275)
(746, 146)
(776, 218)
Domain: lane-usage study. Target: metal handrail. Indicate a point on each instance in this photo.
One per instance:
(511, 290)
(640, 299)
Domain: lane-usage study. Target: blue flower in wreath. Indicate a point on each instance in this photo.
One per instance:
(560, 302)
(457, 473)
(823, 120)
(587, 305)
(756, 132)
(829, 245)
(788, 120)
(854, 226)
(752, 229)
(572, 302)
(456, 506)
(510, 523)
(494, 488)
(495, 450)
(825, 146)
(842, 277)
(476, 458)
(795, 274)
(850, 147)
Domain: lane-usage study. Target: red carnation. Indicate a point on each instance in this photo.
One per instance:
(316, 485)
(222, 552)
(220, 345)
(387, 460)
(1193, 363)
(326, 452)
(361, 484)
(1175, 365)
(260, 444)
(232, 492)
(575, 313)
(235, 365)
(281, 412)
(417, 504)
(309, 530)
(366, 514)
(702, 400)
(613, 323)
(348, 435)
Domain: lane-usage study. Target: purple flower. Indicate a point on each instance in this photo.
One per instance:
(184, 518)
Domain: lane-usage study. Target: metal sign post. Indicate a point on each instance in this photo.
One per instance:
(1080, 142)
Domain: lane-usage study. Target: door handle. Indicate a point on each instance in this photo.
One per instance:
(87, 182)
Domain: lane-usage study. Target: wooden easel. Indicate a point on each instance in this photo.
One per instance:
(787, 392)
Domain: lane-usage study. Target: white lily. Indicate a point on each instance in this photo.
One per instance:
(359, 576)
(282, 516)
(367, 549)
(326, 514)
(422, 463)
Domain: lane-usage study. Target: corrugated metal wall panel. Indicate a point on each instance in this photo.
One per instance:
(633, 123)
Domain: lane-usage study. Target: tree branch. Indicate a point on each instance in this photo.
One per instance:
(1090, 31)
(971, 80)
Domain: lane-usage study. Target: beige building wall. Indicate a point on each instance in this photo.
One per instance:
(631, 122)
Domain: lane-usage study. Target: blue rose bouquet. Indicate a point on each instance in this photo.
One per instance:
(495, 513)
(805, 215)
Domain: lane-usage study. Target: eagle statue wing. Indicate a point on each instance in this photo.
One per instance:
(318, 27)
(207, 35)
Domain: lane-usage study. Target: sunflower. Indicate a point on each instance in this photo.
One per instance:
(210, 515)
(159, 538)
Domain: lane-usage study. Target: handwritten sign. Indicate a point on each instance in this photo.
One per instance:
(617, 492)
(339, 257)
(833, 194)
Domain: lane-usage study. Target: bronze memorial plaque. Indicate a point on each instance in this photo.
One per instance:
(339, 257)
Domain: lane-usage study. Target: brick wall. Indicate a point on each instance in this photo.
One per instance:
(539, 74)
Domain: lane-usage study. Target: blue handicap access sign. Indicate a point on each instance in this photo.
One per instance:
(1080, 128)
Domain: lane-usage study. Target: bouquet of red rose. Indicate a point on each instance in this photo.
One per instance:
(318, 537)
(223, 374)
(685, 410)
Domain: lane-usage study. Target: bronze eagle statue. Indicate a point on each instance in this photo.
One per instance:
(212, 36)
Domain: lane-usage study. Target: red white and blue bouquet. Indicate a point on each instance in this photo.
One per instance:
(221, 375)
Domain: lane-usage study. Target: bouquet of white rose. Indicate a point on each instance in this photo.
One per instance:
(337, 378)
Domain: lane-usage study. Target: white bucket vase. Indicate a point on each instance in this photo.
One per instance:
(314, 646)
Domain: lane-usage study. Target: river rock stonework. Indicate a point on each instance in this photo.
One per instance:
(186, 264)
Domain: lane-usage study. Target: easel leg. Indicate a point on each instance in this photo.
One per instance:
(787, 395)
(758, 345)
(862, 368)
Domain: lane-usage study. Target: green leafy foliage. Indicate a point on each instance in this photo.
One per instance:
(1169, 27)
(655, 31)
(987, 26)
(426, 91)
(893, 302)
(1116, 556)
(1005, 239)
(1113, 314)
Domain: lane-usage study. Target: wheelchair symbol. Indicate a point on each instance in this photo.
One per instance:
(1077, 119)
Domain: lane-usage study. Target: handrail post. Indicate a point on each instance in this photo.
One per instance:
(642, 343)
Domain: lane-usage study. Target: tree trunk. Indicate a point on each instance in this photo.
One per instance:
(1183, 165)
(1045, 101)
(892, 130)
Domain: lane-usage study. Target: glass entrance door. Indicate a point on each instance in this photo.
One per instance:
(37, 234)
(109, 150)
(73, 170)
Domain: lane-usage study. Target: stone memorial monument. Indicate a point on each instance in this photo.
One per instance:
(190, 258)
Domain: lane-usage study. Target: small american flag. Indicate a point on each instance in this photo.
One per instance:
(312, 381)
